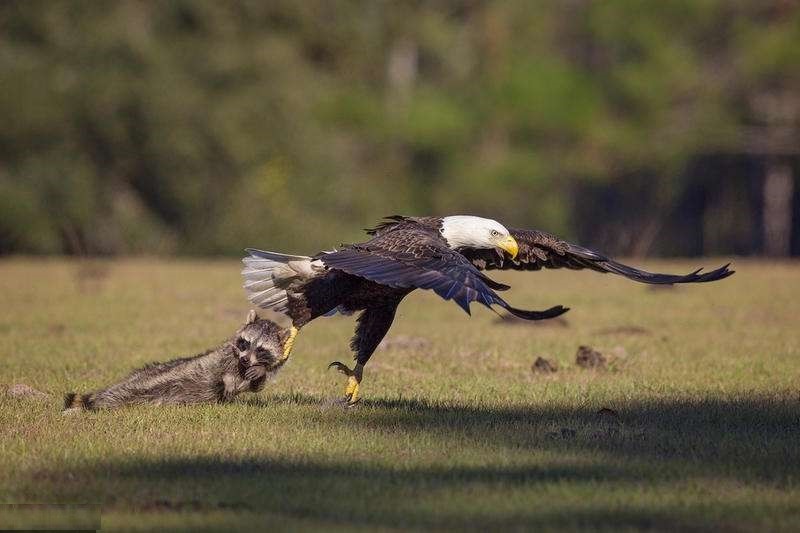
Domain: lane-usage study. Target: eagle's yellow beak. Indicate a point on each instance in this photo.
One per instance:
(509, 244)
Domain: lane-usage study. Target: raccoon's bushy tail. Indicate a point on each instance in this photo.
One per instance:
(267, 276)
(73, 400)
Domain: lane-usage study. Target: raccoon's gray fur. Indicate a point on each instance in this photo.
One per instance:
(242, 363)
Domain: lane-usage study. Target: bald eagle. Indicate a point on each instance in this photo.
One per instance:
(447, 255)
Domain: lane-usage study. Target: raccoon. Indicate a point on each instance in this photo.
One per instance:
(242, 363)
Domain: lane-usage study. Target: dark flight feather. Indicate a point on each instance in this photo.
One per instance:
(539, 250)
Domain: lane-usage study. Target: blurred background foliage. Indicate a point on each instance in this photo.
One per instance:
(201, 127)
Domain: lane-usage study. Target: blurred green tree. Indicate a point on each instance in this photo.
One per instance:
(201, 127)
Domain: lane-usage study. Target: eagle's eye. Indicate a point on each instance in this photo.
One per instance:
(495, 233)
(242, 344)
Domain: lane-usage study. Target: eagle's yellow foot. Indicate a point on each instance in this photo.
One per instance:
(353, 380)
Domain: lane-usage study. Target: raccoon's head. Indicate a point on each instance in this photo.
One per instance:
(261, 342)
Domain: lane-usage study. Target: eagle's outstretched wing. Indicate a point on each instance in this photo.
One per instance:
(412, 257)
(539, 250)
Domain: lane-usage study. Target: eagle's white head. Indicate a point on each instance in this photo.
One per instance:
(466, 231)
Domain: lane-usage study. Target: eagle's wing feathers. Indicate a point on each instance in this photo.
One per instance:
(414, 257)
(538, 250)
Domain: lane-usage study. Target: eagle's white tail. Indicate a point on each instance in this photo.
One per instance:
(268, 276)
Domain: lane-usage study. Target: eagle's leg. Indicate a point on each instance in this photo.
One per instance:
(372, 326)
(353, 380)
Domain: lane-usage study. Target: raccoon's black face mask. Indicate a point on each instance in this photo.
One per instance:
(260, 342)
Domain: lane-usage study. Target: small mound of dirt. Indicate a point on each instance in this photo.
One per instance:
(544, 366)
(22, 391)
(588, 357)
(404, 342)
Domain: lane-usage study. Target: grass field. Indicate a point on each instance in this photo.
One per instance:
(455, 430)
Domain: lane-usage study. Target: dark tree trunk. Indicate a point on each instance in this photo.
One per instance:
(778, 196)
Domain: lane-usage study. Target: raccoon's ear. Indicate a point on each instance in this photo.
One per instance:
(251, 317)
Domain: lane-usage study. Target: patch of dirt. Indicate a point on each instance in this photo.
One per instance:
(511, 320)
(404, 342)
(544, 366)
(624, 330)
(25, 392)
(588, 357)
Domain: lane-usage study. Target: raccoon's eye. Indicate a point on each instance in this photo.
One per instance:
(242, 344)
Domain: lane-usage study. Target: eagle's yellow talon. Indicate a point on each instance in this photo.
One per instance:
(353, 381)
(351, 391)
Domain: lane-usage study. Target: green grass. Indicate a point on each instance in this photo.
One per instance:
(455, 431)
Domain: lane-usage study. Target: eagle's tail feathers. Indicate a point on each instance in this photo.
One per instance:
(268, 276)
(274, 256)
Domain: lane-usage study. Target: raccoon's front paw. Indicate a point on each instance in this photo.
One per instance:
(255, 372)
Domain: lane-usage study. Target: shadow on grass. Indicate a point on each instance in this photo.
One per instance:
(655, 445)
(351, 494)
(745, 437)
